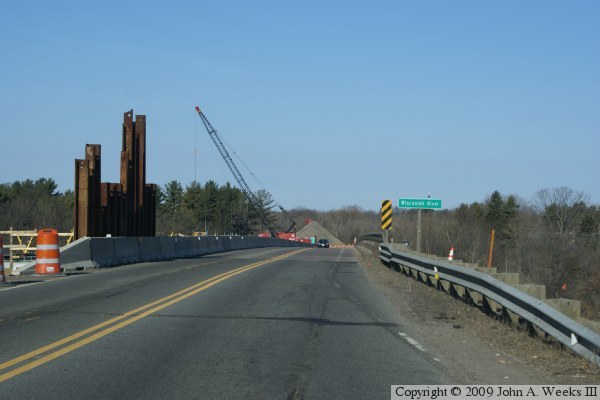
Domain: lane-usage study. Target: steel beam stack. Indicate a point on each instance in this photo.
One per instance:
(87, 186)
(127, 208)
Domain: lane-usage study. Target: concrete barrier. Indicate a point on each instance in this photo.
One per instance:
(77, 255)
(182, 247)
(195, 246)
(103, 252)
(88, 253)
(219, 245)
(127, 250)
(167, 248)
(150, 249)
(191, 247)
(537, 291)
(571, 308)
(203, 246)
(512, 278)
(211, 244)
(593, 325)
(237, 243)
(226, 240)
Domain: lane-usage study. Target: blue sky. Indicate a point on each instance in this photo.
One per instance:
(329, 103)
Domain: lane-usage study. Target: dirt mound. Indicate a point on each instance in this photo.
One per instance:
(314, 229)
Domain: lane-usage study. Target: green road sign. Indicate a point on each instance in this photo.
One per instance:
(420, 203)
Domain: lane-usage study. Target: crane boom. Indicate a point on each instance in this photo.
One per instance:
(250, 196)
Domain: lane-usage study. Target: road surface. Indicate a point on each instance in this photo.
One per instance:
(257, 324)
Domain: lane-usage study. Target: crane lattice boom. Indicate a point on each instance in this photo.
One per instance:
(250, 196)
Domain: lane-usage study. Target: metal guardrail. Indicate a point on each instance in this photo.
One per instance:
(570, 333)
(372, 237)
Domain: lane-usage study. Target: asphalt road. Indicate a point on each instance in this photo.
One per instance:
(254, 324)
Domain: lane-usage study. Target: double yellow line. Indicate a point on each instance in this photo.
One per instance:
(96, 332)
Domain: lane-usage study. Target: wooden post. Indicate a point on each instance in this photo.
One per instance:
(489, 264)
(10, 250)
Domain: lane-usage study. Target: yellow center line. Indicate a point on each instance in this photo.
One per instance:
(136, 315)
(103, 324)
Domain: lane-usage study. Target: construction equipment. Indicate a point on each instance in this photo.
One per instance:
(273, 229)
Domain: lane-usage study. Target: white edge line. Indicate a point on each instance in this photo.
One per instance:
(412, 341)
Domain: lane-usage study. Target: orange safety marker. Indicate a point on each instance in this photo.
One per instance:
(47, 253)
(451, 254)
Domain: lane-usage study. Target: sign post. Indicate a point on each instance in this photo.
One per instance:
(419, 231)
(386, 218)
(420, 204)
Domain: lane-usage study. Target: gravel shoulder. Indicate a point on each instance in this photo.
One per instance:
(475, 348)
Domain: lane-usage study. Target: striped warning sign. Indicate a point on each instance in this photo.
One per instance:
(386, 214)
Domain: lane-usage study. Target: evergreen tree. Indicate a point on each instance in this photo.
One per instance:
(500, 213)
(495, 215)
(209, 206)
(263, 209)
(192, 199)
(173, 197)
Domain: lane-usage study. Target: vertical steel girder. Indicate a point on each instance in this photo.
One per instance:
(127, 208)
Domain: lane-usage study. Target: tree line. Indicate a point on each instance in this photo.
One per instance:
(552, 239)
(28, 204)
(210, 208)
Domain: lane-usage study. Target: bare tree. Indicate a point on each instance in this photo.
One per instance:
(559, 207)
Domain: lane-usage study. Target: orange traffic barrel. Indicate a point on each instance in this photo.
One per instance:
(47, 253)
(2, 277)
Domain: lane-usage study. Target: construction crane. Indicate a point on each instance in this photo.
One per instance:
(250, 196)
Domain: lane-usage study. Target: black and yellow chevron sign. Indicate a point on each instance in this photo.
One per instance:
(386, 215)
